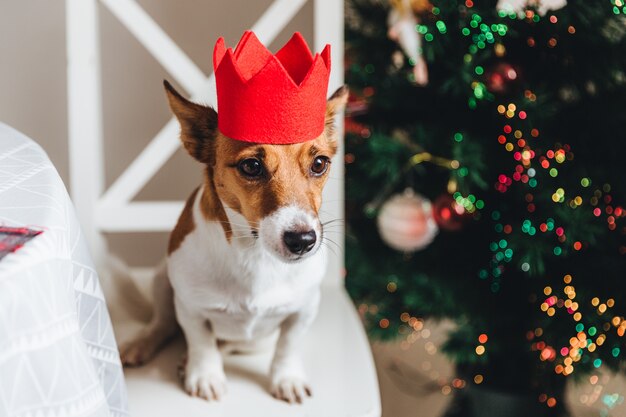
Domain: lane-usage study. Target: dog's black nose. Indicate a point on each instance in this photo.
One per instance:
(299, 242)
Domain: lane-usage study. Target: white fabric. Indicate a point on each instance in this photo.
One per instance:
(58, 355)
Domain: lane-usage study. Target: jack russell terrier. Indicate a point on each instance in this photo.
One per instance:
(245, 260)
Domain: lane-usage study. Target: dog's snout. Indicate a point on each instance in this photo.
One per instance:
(291, 233)
(300, 242)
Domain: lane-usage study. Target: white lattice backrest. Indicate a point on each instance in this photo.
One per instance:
(112, 210)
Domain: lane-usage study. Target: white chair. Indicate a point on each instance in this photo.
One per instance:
(336, 355)
(336, 350)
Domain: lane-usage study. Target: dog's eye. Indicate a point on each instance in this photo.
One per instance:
(320, 165)
(250, 167)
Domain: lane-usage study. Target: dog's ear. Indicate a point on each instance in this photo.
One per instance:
(335, 104)
(198, 125)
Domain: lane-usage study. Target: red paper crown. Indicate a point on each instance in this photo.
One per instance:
(266, 98)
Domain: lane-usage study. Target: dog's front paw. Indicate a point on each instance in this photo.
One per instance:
(291, 389)
(289, 380)
(210, 385)
(137, 352)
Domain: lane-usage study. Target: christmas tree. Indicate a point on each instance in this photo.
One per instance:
(485, 183)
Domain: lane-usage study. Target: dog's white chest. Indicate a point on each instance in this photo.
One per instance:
(229, 325)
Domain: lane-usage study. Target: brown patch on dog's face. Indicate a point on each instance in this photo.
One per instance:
(289, 175)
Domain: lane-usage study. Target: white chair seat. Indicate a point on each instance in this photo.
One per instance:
(337, 358)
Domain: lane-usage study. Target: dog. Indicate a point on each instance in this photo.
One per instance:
(245, 260)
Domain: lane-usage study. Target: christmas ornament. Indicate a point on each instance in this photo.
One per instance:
(267, 98)
(520, 6)
(448, 214)
(357, 103)
(357, 106)
(501, 77)
(569, 94)
(402, 23)
(406, 223)
(397, 59)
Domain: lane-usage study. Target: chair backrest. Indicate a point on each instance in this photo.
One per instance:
(112, 209)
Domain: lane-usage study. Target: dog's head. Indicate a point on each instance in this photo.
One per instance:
(276, 188)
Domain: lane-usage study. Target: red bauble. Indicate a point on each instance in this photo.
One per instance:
(448, 214)
(501, 77)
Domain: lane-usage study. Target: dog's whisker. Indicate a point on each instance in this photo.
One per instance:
(336, 226)
(243, 237)
(327, 239)
(244, 233)
(242, 244)
(331, 230)
(329, 212)
(335, 219)
(335, 248)
(330, 248)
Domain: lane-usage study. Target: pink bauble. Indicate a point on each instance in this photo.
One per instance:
(406, 222)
